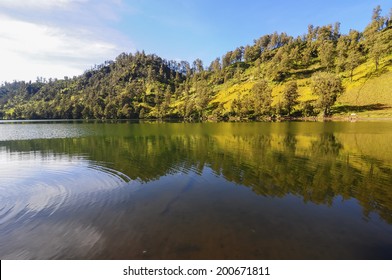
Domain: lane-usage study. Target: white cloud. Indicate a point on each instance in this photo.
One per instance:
(29, 50)
(59, 38)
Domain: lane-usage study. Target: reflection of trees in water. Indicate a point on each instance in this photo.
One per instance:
(326, 170)
(290, 143)
(318, 174)
(326, 146)
(374, 191)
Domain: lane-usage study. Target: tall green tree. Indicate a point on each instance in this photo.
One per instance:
(349, 55)
(373, 37)
(202, 97)
(198, 65)
(226, 59)
(251, 53)
(353, 60)
(216, 65)
(290, 96)
(237, 54)
(262, 98)
(327, 54)
(354, 57)
(327, 87)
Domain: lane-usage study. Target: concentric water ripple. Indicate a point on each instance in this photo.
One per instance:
(33, 183)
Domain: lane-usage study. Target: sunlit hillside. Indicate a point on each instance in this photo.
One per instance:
(323, 73)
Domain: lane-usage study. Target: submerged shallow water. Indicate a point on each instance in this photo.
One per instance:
(298, 190)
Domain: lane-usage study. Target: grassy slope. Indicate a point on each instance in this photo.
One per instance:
(369, 94)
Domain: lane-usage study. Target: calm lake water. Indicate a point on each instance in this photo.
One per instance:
(291, 190)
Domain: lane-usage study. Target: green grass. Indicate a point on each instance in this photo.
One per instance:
(369, 94)
(228, 92)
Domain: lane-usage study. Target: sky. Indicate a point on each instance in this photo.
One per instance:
(57, 38)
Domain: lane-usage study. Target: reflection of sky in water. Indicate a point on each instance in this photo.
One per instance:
(33, 130)
(52, 240)
(34, 186)
(32, 182)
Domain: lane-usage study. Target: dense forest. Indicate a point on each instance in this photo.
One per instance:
(278, 76)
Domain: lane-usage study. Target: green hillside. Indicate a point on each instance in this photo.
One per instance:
(322, 73)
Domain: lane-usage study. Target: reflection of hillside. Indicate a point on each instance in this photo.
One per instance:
(273, 162)
(370, 145)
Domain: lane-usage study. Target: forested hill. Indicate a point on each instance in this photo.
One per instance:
(323, 72)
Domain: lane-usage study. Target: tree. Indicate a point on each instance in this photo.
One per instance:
(226, 59)
(328, 87)
(189, 109)
(341, 53)
(280, 65)
(198, 65)
(235, 107)
(290, 96)
(142, 114)
(295, 56)
(236, 56)
(274, 41)
(263, 42)
(327, 54)
(202, 98)
(311, 35)
(376, 16)
(125, 112)
(348, 52)
(164, 108)
(376, 50)
(251, 53)
(111, 110)
(373, 38)
(336, 31)
(307, 54)
(325, 33)
(353, 60)
(216, 65)
(262, 98)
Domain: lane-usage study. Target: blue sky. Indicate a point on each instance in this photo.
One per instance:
(57, 38)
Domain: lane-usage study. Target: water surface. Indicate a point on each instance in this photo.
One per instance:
(298, 190)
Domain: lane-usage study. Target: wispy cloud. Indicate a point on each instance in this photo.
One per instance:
(39, 4)
(60, 38)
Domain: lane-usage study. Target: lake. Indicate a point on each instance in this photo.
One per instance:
(260, 190)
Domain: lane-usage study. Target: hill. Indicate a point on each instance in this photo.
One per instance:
(322, 72)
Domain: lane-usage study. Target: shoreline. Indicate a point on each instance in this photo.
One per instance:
(236, 119)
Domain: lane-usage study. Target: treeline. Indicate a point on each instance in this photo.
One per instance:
(147, 86)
